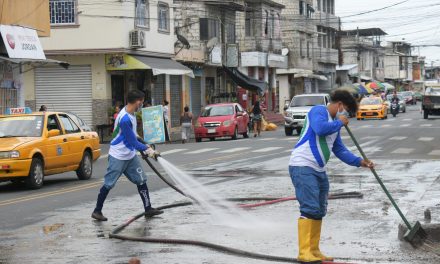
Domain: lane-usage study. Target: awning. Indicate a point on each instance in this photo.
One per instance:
(246, 82)
(346, 67)
(36, 62)
(117, 62)
(311, 76)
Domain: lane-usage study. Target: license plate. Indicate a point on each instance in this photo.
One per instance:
(211, 130)
(369, 114)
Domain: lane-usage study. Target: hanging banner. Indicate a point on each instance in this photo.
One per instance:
(21, 43)
(153, 124)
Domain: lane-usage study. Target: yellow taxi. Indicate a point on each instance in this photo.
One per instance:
(372, 107)
(45, 143)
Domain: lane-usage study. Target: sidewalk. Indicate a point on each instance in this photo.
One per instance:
(356, 230)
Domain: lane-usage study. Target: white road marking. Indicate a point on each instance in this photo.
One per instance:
(403, 151)
(426, 139)
(233, 150)
(203, 150)
(366, 126)
(385, 126)
(407, 119)
(266, 149)
(345, 137)
(397, 138)
(405, 125)
(103, 156)
(267, 139)
(434, 152)
(172, 151)
(426, 125)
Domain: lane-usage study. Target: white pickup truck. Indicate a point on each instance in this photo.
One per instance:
(431, 100)
(299, 107)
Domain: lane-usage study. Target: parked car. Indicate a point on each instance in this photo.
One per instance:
(372, 107)
(222, 120)
(299, 107)
(409, 97)
(418, 96)
(402, 103)
(36, 145)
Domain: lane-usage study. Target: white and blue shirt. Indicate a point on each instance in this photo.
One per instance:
(319, 137)
(125, 143)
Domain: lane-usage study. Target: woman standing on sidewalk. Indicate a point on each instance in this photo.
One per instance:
(257, 113)
(186, 123)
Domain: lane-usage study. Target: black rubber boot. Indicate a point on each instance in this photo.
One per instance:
(152, 212)
(99, 216)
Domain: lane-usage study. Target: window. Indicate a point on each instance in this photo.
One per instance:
(230, 34)
(52, 123)
(331, 8)
(80, 122)
(142, 17)
(301, 48)
(266, 24)
(248, 24)
(319, 5)
(163, 14)
(278, 26)
(310, 11)
(62, 12)
(319, 36)
(324, 5)
(209, 28)
(272, 26)
(308, 49)
(69, 126)
(301, 7)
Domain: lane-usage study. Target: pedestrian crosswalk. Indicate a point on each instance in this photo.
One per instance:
(232, 150)
(203, 150)
(172, 151)
(266, 149)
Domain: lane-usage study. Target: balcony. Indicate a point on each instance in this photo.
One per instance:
(325, 55)
(261, 44)
(327, 20)
(235, 5)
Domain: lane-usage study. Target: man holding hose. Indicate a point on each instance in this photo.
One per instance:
(122, 157)
(319, 136)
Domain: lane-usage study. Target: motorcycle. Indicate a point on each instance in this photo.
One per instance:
(394, 109)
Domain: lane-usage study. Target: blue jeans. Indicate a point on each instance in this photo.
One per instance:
(132, 169)
(311, 189)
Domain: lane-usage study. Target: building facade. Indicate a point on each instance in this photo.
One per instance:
(112, 47)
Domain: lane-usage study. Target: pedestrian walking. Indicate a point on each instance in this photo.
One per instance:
(186, 124)
(165, 116)
(122, 158)
(321, 134)
(257, 113)
(43, 108)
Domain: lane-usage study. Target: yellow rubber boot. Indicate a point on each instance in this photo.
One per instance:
(304, 240)
(315, 238)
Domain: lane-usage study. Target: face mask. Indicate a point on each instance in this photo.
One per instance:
(342, 113)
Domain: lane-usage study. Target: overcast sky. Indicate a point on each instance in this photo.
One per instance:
(416, 21)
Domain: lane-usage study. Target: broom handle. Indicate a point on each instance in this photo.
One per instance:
(379, 180)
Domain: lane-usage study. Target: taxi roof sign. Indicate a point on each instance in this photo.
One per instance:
(18, 111)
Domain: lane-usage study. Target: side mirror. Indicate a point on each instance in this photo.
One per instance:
(53, 133)
(239, 113)
(285, 107)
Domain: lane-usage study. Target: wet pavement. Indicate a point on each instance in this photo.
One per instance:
(355, 230)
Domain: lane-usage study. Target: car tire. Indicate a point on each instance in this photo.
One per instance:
(246, 134)
(404, 110)
(36, 174)
(298, 130)
(212, 139)
(198, 139)
(425, 114)
(85, 170)
(288, 131)
(234, 136)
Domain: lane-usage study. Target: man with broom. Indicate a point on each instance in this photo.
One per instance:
(319, 137)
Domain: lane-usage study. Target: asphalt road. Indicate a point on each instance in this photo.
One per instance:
(407, 136)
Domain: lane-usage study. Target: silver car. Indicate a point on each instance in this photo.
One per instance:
(402, 103)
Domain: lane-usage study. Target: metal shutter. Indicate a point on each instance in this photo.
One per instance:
(196, 95)
(176, 95)
(65, 90)
(159, 89)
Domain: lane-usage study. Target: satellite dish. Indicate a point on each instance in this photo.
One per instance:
(183, 40)
(212, 42)
(284, 51)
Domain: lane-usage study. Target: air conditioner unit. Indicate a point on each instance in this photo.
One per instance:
(137, 39)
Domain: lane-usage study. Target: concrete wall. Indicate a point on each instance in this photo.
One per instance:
(106, 25)
(29, 13)
(392, 67)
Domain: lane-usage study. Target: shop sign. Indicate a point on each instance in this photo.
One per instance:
(118, 62)
(253, 59)
(153, 124)
(216, 55)
(18, 111)
(21, 43)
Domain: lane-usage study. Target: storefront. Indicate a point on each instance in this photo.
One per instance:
(20, 51)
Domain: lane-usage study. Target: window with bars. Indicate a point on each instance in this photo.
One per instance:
(142, 17)
(230, 34)
(209, 28)
(163, 13)
(63, 12)
(301, 48)
(302, 7)
(248, 24)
